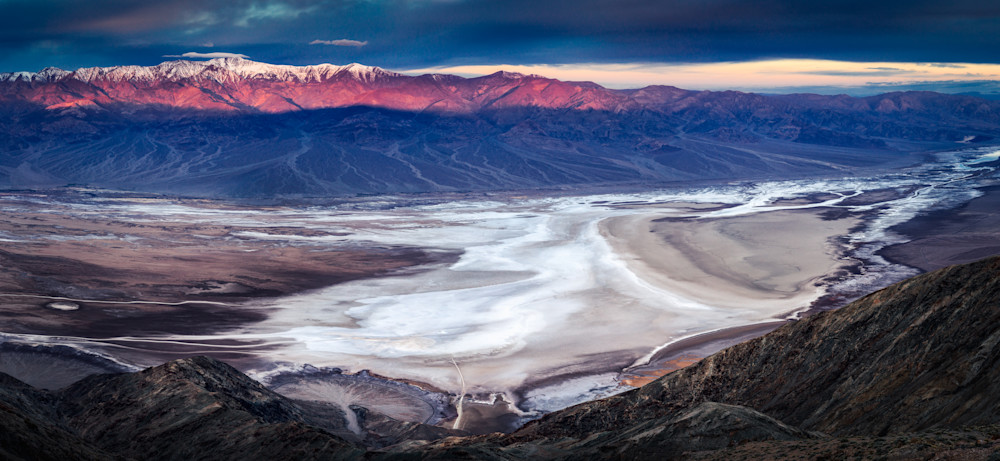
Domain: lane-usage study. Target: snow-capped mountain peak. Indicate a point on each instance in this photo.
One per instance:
(223, 70)
(48, 74)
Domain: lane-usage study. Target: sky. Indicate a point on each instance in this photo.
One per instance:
(766, 45)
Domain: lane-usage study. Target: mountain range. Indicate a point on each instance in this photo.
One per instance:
(908, 372)
(238, 128)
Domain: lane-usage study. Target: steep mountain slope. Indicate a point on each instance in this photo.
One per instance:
(184, 407)
(239, 128)
(31, 429)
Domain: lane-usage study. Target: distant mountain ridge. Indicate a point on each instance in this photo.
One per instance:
(245, 82)
(234, 127)
(237, 84)
(219, 69)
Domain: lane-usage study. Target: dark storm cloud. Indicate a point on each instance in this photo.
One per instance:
(708, 30)
(415, 33)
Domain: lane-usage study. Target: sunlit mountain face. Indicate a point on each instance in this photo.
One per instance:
(405, 221)
(230, 127)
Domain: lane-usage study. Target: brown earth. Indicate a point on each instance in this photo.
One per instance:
(946, 237)
(119, 270)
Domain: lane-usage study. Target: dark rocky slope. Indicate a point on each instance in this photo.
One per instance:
(197, 408)
(702, 427)
(30, 429)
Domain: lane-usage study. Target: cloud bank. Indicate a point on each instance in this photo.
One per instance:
(340, 42)
(212, 55)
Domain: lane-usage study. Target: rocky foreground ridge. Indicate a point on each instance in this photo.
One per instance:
(909, 371)
(238, 128)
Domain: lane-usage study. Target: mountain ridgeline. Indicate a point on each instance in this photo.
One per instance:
(908, 372)
(238, 128)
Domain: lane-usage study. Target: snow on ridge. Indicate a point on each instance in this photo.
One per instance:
(366, 73)
(48, 74)
(222, 70)
(15, 76)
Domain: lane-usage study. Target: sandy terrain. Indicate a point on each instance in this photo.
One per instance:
(134, 277)
(770, 262)
(393, 399)
(689, 351)
(952, 236)
(765, 261)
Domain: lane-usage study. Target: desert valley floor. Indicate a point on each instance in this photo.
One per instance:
(475, 311)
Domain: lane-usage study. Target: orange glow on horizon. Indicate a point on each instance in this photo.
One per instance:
(778, 73)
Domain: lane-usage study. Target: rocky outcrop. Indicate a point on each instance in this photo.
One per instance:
(196, 408)
(30, 429)
(706, 426)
